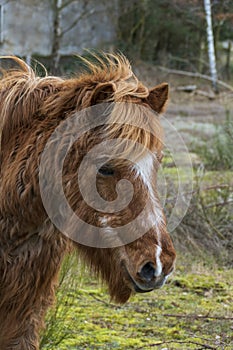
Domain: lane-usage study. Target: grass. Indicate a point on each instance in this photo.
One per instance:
(217, 152)
(193, 311)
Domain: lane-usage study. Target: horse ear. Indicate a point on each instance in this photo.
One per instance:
(158, 97)
(102, 92)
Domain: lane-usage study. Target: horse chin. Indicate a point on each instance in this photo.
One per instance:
(121, 296)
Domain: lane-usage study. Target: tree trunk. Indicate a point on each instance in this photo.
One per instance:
(55, 55)
(210, 42)
(228, 61)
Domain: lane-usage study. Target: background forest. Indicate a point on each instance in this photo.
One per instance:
(173, 33)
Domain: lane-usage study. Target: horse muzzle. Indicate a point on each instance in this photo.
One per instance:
(146, 284)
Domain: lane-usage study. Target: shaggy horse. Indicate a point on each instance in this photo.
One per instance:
(32, 248)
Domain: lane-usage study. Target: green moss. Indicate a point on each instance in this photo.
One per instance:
(183, 311)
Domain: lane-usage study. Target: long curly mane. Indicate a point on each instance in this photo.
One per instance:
(108, 77)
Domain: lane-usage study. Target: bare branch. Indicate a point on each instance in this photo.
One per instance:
(116, 307)
(65, 4)
(219, 204)
(195, 75)
(74, 23)
(199, 317)
(203, 346)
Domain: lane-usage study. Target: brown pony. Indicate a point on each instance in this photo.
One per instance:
(32, 246)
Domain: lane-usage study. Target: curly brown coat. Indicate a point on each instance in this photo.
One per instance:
(31, 247)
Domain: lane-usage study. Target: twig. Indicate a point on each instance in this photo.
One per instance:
(219, 204)
(104, 302)
(199, 317)
(210, 96)
(220, 342)
(214, 187)
(203, 346)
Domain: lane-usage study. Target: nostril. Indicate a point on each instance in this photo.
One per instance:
(147, 272)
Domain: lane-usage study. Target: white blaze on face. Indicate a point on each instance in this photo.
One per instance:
(159, 266)
(144, 168)
(158, 223)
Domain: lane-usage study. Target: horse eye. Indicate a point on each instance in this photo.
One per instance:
(106, 171)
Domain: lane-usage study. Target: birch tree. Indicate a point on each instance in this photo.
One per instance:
(210, 43)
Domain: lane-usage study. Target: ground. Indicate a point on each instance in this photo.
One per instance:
(194, 310)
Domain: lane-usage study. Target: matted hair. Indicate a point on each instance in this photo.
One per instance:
(107, 77)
